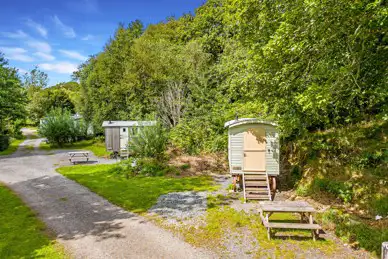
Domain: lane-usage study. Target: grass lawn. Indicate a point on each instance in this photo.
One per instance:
(13, 146)
(97, 147)
(136, 194)
(21, 233)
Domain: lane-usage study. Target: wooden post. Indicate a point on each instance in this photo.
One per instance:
(384, 250)
(269, 233)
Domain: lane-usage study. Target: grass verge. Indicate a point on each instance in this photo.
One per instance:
(13, 146)
(97, 147)
(136, 194)
(21, 233)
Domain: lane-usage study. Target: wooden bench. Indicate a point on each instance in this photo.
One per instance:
(303, 208)
(81, 154)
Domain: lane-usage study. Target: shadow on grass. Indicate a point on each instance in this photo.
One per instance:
(71, 210)
(137, 194)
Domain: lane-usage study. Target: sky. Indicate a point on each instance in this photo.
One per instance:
(57, 36)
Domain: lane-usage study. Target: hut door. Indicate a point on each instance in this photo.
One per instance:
(123, 137)
(254, 150)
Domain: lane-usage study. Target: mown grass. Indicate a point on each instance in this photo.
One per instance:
(13, 146)
(97, 147)
(136, 194)
(21, 233)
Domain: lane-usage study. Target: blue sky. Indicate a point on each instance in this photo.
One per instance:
(59, 35)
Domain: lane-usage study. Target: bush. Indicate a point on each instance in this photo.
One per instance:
(341, 190)
(4, 142)
(60, 128)
(149, 142)
(142, 166)
(16, 129)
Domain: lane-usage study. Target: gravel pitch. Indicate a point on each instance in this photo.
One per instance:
(180, 206)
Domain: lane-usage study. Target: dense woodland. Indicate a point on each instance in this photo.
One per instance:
(307, 65)
(312, 66)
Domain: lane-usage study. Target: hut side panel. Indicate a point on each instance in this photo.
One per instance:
(272, 151)
(236, 145)
(116, 139)
(108, 139)
(112, 139)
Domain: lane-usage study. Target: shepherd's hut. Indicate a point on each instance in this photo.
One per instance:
(118, 133)
(253, 151)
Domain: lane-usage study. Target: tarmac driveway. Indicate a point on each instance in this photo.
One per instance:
(85, 223)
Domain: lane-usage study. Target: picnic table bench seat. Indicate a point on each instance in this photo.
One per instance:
(81, 154)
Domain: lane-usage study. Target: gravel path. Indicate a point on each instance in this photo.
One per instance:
(86, 224)
(179, 206)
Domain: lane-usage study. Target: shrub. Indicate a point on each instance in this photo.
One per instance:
(149, 142)
(16, 129)
(342, 190)
(142, 166)
(4, 142)
(60, 128)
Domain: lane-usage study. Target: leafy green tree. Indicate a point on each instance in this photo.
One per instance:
(308, 65)
(12, 101)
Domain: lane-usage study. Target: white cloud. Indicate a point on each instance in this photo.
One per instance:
(60, 67)
(40, 46)
(36, 26)
(18, 54)
(88, 37)
(22, 71)
(67, 31)
(44, 56)
(19, 34)
(73, 54)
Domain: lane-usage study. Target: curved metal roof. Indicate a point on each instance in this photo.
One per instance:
(127, 123)
(242, 121)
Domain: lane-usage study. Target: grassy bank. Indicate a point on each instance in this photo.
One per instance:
(346, 168)
(13, 146)
(97, 147)
(137, 193)
(21, 233)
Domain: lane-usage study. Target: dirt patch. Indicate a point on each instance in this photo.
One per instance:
(199, 165)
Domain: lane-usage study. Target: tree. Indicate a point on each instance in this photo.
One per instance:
(62, 95)
(12, 100)
(34, 81)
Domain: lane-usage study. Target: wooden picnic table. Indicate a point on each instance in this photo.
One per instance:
(267, 208)
(82, 154)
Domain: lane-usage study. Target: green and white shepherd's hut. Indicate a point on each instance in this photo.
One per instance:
(118, 133)
(253, 151)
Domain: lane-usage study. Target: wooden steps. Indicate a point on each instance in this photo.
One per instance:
(256, 186)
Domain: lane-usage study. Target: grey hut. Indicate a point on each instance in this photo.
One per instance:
(118, 133)
(253, 151)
